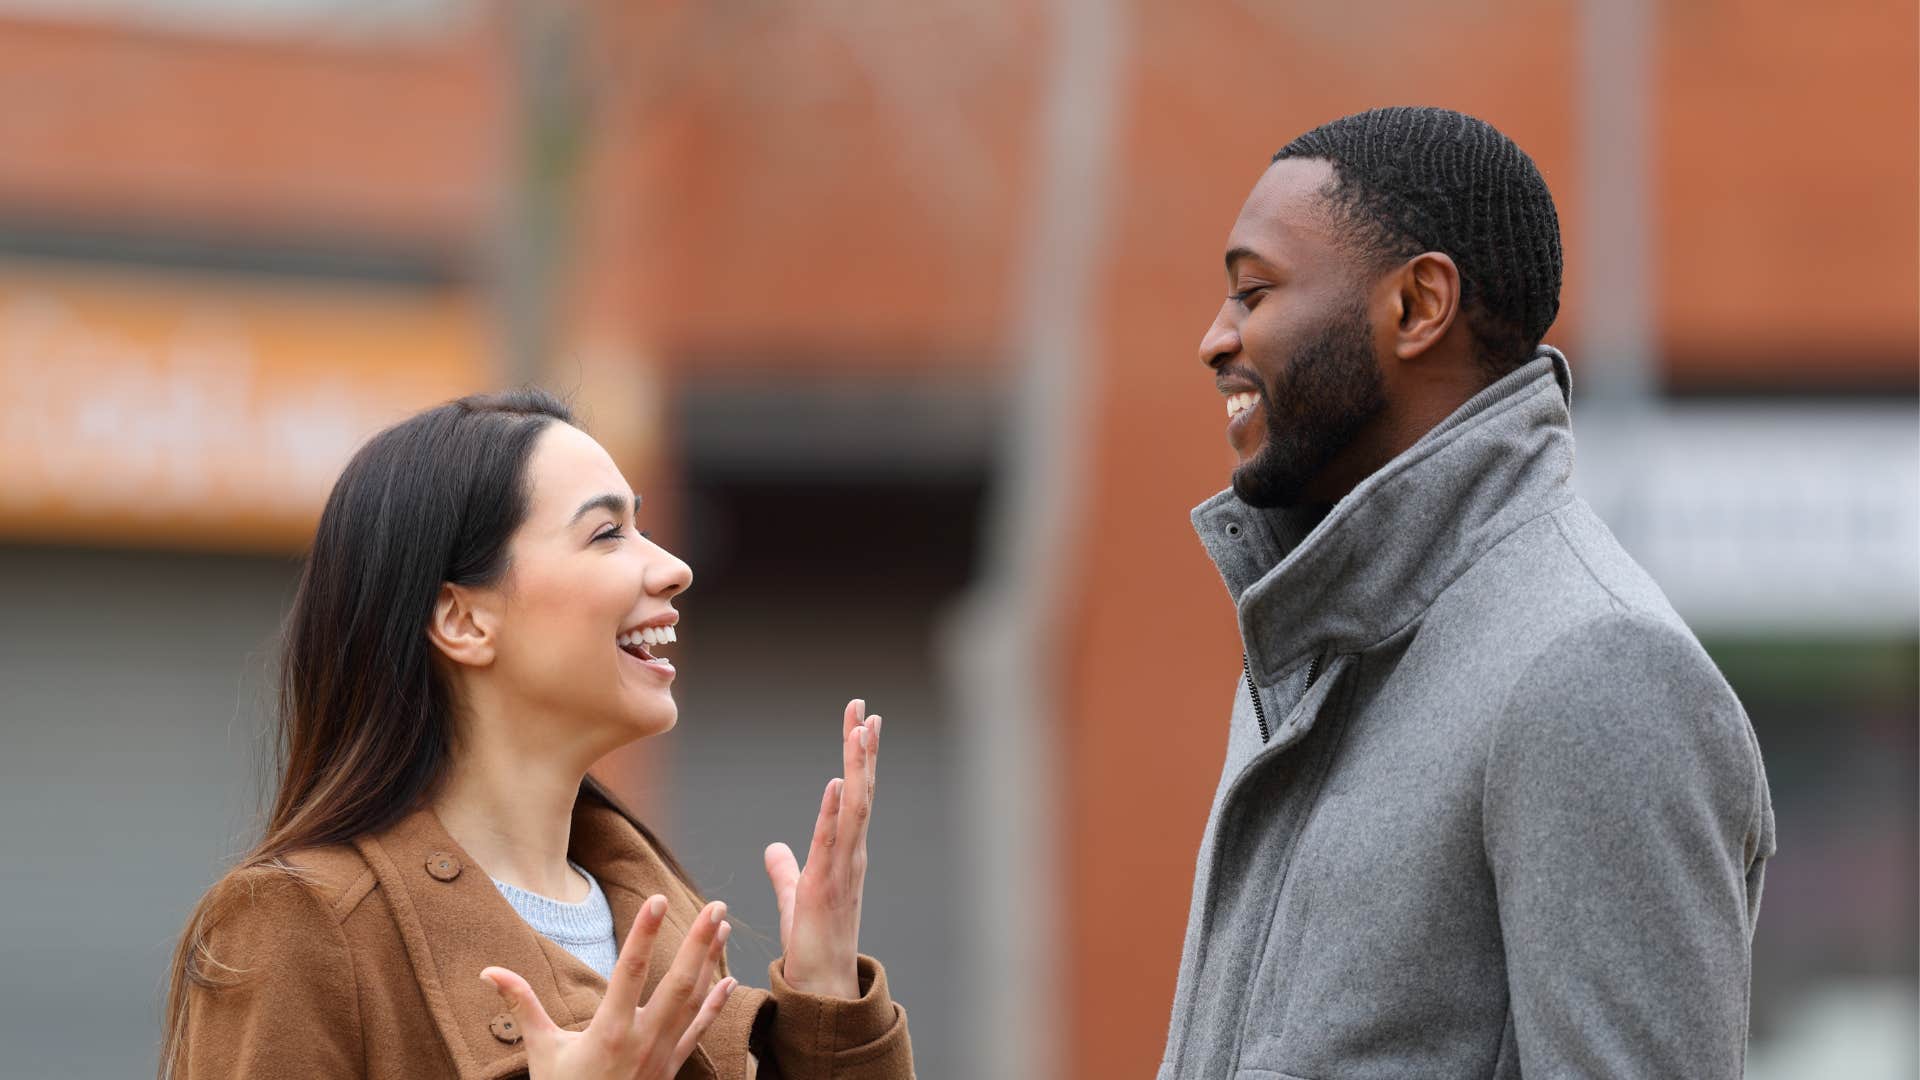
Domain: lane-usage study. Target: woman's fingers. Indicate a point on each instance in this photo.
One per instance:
(827, 825)
(708, 970)
(783, 871)
(710, 1008)
(521, 1001)
(630, 970)
(856, 712)
(851, 768)
(685, 1011)
(622, 1032)
(856, 797)
(676, 1000)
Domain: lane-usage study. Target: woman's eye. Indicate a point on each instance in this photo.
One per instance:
(613, 532)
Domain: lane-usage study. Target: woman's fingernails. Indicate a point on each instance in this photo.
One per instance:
(726, 986)
(876, 727)
(657, 907)
(717, 913)
(720, 935)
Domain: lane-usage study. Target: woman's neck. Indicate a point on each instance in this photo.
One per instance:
(513, 813)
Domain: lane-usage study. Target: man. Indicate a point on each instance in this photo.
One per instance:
(1488, 810)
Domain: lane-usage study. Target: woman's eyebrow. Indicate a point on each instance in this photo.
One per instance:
(611, 503)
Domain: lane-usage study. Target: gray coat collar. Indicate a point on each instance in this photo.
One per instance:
(1374, 563)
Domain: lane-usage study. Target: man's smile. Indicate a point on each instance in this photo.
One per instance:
(1243, 416)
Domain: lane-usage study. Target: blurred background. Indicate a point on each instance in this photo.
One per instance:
(891, 311)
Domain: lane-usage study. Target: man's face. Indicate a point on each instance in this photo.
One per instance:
(1292, 349)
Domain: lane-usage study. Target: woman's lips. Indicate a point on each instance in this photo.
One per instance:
(655, 665)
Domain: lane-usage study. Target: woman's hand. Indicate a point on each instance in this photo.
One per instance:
(820, 906)
(624, 1040)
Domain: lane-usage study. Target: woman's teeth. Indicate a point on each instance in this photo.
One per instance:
(1240, 402)
(652, 635)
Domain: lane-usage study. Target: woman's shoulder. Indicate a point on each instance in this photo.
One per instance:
(272, 924)
(290, 894)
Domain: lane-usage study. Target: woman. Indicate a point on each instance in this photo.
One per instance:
(440, 882)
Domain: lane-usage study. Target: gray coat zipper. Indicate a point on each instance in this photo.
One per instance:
(1253, 691)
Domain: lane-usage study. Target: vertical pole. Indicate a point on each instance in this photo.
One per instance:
(546, 124)
(1003, 641)
(1616, 378)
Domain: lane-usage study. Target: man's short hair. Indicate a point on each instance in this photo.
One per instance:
(1410, 180)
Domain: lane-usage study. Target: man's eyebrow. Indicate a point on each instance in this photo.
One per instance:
(611, 503)
(1234, 255)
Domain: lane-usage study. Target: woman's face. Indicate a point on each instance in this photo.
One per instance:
(582, 581)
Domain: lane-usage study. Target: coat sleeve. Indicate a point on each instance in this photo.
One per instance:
(1627, 824)
(814, 1037)
(280, 998)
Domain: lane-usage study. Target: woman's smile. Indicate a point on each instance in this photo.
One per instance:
(640, 642)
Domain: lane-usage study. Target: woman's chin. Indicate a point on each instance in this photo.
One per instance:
(655, 716)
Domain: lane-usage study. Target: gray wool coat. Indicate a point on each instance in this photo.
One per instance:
(1488, 809)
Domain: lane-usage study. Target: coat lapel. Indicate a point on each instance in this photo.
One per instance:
(454, 922)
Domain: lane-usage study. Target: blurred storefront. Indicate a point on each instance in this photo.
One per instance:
(891, 312)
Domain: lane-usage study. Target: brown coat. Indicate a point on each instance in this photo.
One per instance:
(370, 967)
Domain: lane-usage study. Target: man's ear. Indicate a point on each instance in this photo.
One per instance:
(1426, 300)
(462, 626)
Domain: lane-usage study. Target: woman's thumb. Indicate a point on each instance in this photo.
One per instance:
(783, 871)
(521, 1001)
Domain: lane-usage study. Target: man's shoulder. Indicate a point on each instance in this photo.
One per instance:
(1596, 655)
(1559, 608)
(1562, 570)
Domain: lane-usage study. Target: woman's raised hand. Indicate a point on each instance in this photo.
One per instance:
(820, 905)
(626, 1040)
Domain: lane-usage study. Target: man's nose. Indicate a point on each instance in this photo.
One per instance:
(1220, 342)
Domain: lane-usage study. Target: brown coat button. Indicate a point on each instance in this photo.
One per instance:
(443, 867)
(505, 1029)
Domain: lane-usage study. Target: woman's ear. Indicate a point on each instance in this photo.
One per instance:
(1427, 298)
(462, 626)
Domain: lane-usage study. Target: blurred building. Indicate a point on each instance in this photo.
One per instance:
(891, 311)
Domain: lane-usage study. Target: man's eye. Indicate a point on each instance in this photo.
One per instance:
(1245, 295)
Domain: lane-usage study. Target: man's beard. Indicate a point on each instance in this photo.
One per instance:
(1332, 388)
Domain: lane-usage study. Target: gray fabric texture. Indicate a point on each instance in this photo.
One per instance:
(584, 929)
(1515, 826)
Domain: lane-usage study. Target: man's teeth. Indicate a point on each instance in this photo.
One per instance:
(652, 635)
(1240, 402)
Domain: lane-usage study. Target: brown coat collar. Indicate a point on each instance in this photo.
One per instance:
(454, 922)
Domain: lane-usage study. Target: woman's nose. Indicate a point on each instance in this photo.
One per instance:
(669, 575)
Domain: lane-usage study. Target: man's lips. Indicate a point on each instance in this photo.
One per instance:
(1240, 402)
(1243, 411)
(1229, 383)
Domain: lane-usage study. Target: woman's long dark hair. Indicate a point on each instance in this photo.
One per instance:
(365, 718)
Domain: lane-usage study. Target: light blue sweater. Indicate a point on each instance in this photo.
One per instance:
(584, 929)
